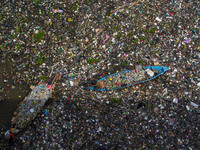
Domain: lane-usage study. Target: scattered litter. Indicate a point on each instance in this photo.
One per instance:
(107, 37)
(158, 19)
(193, 104)
(150, 73)
(188, 40)
(57, 11)
(175, 100)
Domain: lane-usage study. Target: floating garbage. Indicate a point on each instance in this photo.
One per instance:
(150, 73)
(194, 105)
(71, 83)
(188, 40)
(151, 33)
(57, 11)
(107, 37)
(171, 122)
(158, 19)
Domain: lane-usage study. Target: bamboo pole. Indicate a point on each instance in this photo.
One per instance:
(126, 5)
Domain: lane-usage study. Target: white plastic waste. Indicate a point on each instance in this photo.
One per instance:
(165, 91)
(99, 97)
(175, 100)
(150, 73)
(193, 104)
(188, 108)
(158, 19)
(99, 129)
(71, 83)
(31, 110)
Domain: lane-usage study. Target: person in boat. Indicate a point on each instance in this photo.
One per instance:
(155, 72)
(94, 82)
(9, 136)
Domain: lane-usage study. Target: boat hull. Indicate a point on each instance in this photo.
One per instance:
(30, 106)
(159, 69)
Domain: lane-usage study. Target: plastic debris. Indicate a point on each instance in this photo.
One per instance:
(158, 19)
(107, 37)
(193, 104)
(188, 40)
(150, 73)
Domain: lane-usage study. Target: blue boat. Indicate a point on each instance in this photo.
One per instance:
(127, 78)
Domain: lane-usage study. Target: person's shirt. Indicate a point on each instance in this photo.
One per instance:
(93, 82)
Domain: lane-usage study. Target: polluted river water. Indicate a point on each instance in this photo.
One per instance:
(13, 94)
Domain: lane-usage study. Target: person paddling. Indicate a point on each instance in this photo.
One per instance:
(9, 136)
(94, 83)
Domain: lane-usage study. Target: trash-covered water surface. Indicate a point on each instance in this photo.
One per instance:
(82, 40)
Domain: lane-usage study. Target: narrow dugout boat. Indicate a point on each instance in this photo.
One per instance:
(127, 78)
(31, 105)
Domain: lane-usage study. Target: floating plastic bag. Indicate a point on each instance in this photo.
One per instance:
(188, 40)
(71, 83)
(150, 73)
(57, 11)
(107, 37)
(158, 19)
(171, 122)
(193, 104)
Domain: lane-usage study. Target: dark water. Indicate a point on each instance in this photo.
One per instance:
(12, 98)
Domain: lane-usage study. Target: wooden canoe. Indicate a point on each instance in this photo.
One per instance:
(128, 78)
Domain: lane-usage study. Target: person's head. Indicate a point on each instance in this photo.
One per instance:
(7, 135)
